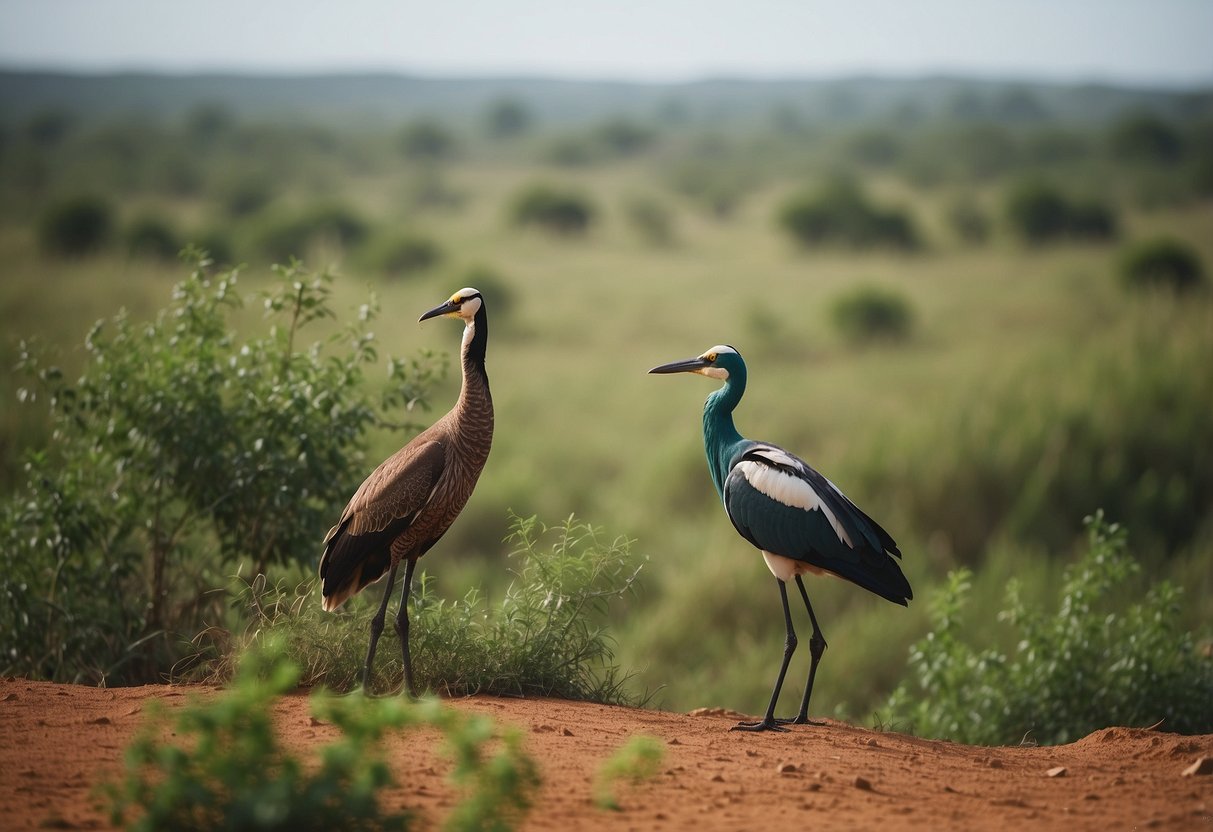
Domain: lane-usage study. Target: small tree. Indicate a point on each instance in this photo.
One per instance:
(75, 227)
(555, 209)
(1163, 262)
(871, 313)
(842, 214)
(427, 140)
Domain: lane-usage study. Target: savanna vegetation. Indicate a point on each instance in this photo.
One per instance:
(982, 310)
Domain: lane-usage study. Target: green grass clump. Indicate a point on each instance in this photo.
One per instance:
(1091, 664)
(228, 770)
(635, 761)
(545, 637)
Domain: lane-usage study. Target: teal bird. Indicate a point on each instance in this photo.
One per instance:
(800, 521)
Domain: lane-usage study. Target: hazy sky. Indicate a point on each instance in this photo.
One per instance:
(1143, 41)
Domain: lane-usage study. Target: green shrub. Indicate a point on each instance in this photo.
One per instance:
(1041, 213)
(282, 236)
(226, 768)
(545, 637)
(717, 188)
(1164, 263)
(152, 237)
(561, 211)
(871, 313)
(403, 254)
(1091, 664)
(1142, 137)
(181, 448)
(507, 118)
(427, 140)
(841, 214)
(75, 227)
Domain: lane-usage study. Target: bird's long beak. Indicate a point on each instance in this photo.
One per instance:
(687, 365)
(447, 308)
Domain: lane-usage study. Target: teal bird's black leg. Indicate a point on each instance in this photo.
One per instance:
(402, 628)
(376, 629)
(768, 722)
(817, 647)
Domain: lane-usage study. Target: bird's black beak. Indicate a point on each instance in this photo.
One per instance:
(688, 365)
(445, 309)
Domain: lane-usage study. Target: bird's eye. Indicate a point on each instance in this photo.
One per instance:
(711, 357)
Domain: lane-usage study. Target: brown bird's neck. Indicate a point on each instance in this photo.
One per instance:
(475, 398)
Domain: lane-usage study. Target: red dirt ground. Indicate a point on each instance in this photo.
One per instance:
(58, 741)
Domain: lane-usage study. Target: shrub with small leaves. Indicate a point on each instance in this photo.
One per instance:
(152, 237)
(547, 635)
(227, 769)
(871, 313)
(558, 210)
(180, 448)
(75, 227)
(1091, 664)
(1162, 263)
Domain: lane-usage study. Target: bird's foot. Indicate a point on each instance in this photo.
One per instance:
(797, 720)
(761, 725)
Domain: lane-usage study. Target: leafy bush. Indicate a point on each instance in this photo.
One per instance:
(1142, 137)
(279, 237)
(871, 313)
(403, 254)
(507, 118)
(1091, 664)
(152, 237)
(546, 636)
(180, 448)
(1041, 213)
(1163, 262)
(555, 209)
(717, 188)
(841, 214)
(75, 227)
(228, 770)
(427, 140)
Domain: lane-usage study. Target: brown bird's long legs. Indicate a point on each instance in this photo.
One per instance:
(402, 627)
(377, 628)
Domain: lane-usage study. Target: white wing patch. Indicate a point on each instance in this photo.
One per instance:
(787, 489)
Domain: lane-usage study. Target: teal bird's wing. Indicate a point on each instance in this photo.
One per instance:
(784, 507)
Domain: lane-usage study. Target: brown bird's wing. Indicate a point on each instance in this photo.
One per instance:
(357, 550)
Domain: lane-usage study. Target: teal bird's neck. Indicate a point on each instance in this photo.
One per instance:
(720, 437)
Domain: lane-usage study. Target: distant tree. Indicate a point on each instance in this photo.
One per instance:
(76, 226)
(842, 214)
(558, 210)
(650, 219)
(404, 254)
(871, 313)
(1162, 262)
(207, 122)
(1039, 213)
(152, 237)
(427, 140)
(1146, 138)
(50, 127)
(507, 118)
(623, 137)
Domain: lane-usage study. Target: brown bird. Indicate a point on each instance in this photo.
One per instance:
(406, 505)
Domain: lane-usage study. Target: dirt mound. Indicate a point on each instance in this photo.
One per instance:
(58, 741)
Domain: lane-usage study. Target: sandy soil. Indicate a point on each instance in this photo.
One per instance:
(58, 741)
